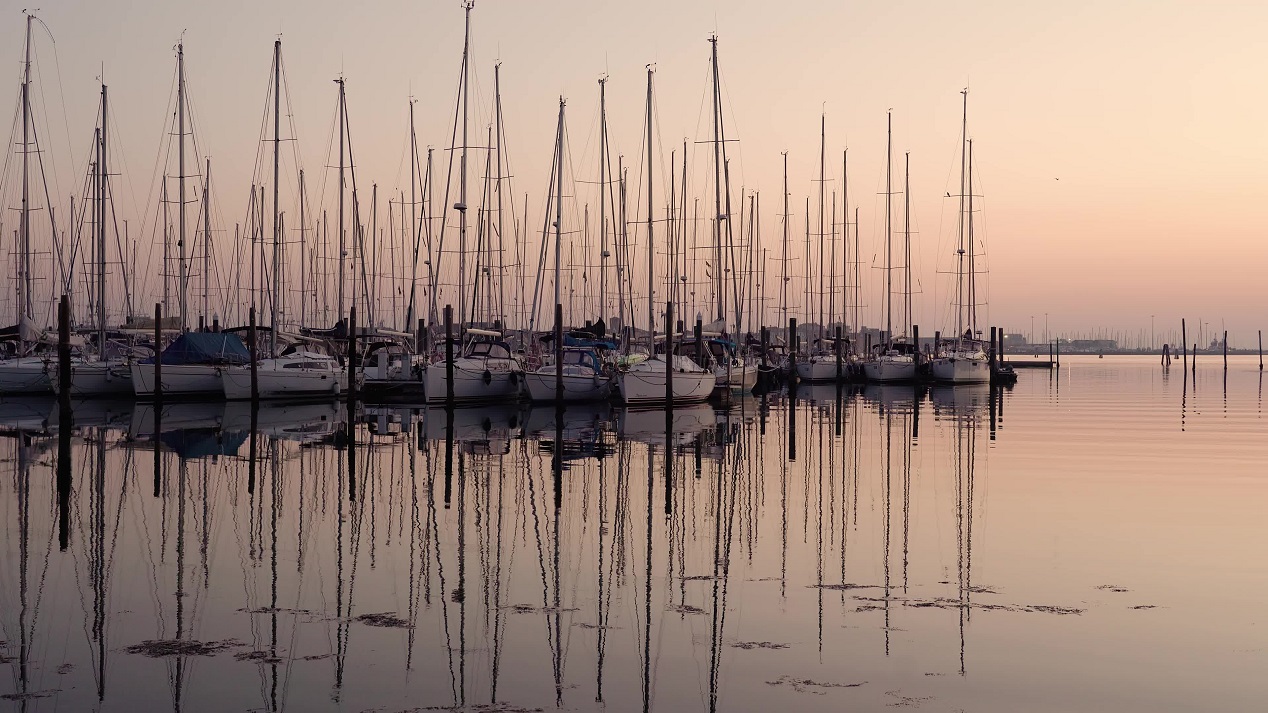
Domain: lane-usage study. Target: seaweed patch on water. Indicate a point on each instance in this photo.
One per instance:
(700, 577)
(27, 696)
(686, 609)
(161, 648)
(65, 669)
(386, 620)
(1145, 606)
(906, 701)
(499, 707)
(945, 603)
(1113, 588)
(805, 685)
(314, 657)
(530, 609)
(262, 657)
(588, 625)
(275, 610)
(750, 645)
(843, 587)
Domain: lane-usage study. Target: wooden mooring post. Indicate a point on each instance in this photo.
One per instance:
(158, 354)
(669, 358)
(251, 347)
(449, 356)
(63, 356)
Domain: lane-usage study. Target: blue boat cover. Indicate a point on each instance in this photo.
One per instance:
(205, 348)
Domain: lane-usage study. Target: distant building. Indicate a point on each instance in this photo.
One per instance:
(1016, 340)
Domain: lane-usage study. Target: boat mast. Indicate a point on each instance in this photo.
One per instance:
(24, 291)
(277, 163)
(889, 243)
(907, 241)
(845, 235)
(207, 244)
(461, 206)
(303, 256)
(972, 305)
(413, 217)
(783, 264)
(559, 198)
(500, 314)
(959, 273)
(823, 144)
(651, 301)
(717, 186)
(180, 137)
(343, 250)
(603, 188)
(102, 173)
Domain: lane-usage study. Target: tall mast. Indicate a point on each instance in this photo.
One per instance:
(845, 234)
(343, 250)
(24, 291)
(783, 264)
(462, 172)
(277, 163)
(101, 229)
(303, 256)
(823, 156)
(651, 244)
(559, 198)
(959, 272)
(207, 243)
(972, 305)
(180, 137)
(717, 185)
(497, 110)
(413, 217)
(603, 188)
(889, 243)
(907, 241)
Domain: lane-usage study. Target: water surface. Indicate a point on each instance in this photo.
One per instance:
(1090, 540)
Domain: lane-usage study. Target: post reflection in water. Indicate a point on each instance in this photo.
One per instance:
(312, 557)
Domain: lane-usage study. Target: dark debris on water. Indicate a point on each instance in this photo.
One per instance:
(388, 620)
(160, 648)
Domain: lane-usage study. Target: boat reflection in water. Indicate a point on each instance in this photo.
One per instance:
(822, 550)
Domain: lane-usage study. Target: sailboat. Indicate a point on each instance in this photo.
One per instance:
(823, 364)
(731, 369)
(295, 371)
(100, 376)
(192, 363)
(577, 372)
(487, 368)
(22, 370)
(896, 358)
(963, 360)
(647, 381)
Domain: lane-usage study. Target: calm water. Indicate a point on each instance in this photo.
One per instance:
(1091, 540)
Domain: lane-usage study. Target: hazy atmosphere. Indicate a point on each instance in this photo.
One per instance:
(1118, 146)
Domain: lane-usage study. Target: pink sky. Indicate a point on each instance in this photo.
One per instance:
(1146, 112)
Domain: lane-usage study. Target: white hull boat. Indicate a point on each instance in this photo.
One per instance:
(475, 379)
(889, 368)
(962, 368)
(580, 384)
(644, 383)
(739, 375)
(98, 378)
(297, 375)
(26, 375)
(179, 380)
(821, 368)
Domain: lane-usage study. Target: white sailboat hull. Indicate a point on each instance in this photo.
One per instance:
(279, 383)
(202, 380)
(740, 376)
(644, 383)
(504, 380)
(971, 369)
(821, 369)
(888, 370)
(577, 387)
(25, 375)
(98, 378)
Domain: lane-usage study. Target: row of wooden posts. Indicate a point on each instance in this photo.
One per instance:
(1184, 353)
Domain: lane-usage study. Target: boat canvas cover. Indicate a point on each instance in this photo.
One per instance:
(205, 348)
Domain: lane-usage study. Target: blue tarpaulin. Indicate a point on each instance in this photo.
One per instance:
(205, 348)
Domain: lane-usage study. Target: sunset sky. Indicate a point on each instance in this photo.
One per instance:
(1120, 146)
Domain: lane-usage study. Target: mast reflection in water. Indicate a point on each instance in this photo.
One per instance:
(829, 549)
